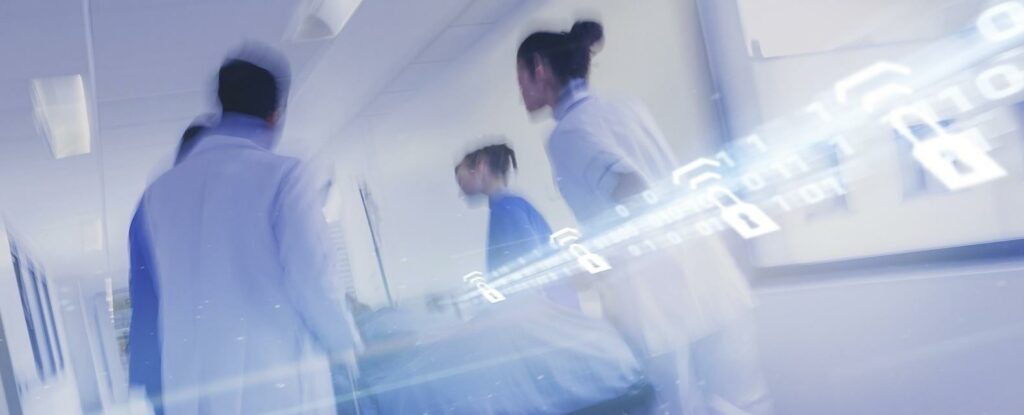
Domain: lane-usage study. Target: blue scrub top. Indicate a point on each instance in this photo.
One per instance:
(516, 228)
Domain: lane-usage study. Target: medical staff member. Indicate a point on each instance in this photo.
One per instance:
(602, 152)
(515, 227)
(237, 242)
(143, 338)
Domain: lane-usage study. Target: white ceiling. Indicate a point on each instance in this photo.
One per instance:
(408, 46)
(154, 63)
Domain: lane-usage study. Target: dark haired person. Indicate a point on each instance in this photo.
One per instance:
(143, 341)
(533, 353)
(603, 152)
(515, 227)
(236, 242)
(190, 137)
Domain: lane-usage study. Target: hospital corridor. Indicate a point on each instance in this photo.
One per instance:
(511, 207)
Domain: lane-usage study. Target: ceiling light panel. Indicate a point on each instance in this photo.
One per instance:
(61, 114)
(321, 19)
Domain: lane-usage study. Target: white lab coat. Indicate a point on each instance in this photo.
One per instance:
(663, 301)
(247, 316)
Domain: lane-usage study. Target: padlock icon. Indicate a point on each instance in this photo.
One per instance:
(955, 159)
(591, 262)
(489, 292)
(746, 219)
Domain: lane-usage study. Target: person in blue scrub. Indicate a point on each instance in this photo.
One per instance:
(143, 340)
(604, 152)
(515, 228)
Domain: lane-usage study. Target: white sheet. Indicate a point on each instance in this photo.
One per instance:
(523, 355)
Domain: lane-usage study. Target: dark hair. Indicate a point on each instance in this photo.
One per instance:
(499, 157)
(567, 53)
(188, 140)
(247, 88)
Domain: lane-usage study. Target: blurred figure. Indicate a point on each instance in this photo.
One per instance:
(515, 227)
(143, 337)
(603, 152)
(236, 240)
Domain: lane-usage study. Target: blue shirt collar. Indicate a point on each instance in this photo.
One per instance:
(499, 195)
(245, 126)
(574, 92)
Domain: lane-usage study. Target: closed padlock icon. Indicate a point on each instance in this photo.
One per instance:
(746, 219)
(591, 262)
(489, 292)
(955, 159)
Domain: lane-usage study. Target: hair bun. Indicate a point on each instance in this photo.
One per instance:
(587, 32)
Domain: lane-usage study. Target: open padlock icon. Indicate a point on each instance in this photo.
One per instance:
(590, 261)
(955, 159)
(746, 219)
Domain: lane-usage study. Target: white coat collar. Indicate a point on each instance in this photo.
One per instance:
(574, 92)
(232, 127)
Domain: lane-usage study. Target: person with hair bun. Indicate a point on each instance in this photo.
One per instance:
(515, 227)
(692, 308)
(602, 151)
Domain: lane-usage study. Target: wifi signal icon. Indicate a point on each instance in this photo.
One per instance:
(695, 166)
(565, 237)
(872, 99)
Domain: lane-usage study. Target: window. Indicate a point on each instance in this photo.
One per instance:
(23, 288)
(52, 325)
(40, 325)
(40, 321)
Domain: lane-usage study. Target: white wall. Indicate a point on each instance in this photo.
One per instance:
(938, 341)
(759, 90)
(429, 238)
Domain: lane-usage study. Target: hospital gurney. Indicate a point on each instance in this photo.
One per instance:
(525, 355)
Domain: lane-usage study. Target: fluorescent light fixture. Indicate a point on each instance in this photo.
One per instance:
(61, 114)
(321, 19)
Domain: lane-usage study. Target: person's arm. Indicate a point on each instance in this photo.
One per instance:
(605, 171)
(143, 334)
(628, 184)
(304, 249)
